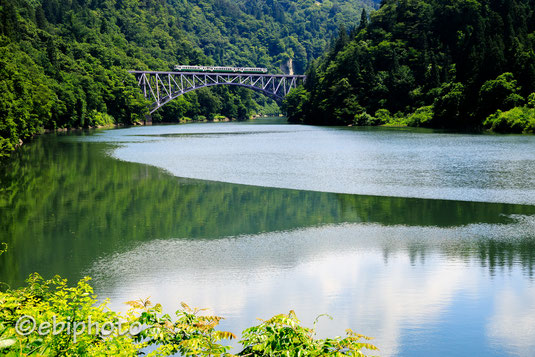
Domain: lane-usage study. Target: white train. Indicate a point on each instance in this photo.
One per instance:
(219, 69)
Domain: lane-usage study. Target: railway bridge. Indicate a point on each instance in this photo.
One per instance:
(162, 87)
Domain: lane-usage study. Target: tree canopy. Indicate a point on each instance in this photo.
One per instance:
(437, 63)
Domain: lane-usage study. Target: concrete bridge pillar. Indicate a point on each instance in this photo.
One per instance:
(148, 119)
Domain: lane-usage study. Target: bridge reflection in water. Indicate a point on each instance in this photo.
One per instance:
(162, 87)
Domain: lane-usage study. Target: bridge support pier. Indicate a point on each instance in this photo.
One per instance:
(148, 119)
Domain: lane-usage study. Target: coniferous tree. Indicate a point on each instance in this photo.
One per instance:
(456, 63)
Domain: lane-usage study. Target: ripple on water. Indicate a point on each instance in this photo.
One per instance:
(484, 168)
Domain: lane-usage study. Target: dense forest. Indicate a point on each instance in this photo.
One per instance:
(64, 63)
(455, 64)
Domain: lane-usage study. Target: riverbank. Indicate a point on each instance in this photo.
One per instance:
(147, 121)
(518, 120)
(215, 119)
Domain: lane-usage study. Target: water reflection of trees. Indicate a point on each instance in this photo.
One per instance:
(426, 212)
(62, 203)
(499, 256)
(494, 254)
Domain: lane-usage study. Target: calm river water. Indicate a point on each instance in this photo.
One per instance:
(423, 240)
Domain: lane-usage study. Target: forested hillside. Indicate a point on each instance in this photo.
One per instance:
(462, 64)
(63, 63)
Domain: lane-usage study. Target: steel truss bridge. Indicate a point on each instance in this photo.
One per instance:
(162, 87)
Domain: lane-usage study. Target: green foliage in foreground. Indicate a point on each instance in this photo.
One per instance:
(189, 333)
(437, 63)
(44, 299)
(283, 336)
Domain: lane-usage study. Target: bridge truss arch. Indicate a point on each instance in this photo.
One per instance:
(162, 87)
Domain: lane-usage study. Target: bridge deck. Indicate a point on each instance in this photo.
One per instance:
(223, 74)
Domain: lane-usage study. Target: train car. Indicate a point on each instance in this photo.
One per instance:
(215, 69)
(189, 68)
(224, 69)
(253, 70)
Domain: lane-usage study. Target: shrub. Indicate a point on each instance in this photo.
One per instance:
(516, 120)
(500, 93)
(190, 333)
(383, 116)
(283, 336)
(421, 117)
(100, 119)
(52, 300)
(531, 100)
(363, 119)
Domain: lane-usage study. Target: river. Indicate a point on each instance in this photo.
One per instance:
(423, 240)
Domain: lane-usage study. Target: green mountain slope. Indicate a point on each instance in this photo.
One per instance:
(440, 63)
(266, 33)
(63, 63)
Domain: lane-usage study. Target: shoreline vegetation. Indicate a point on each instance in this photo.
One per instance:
(458, 65)
(182, 120)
